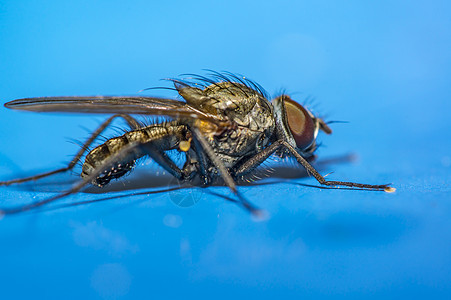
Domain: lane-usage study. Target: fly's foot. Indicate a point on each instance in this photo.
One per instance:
(378, 187)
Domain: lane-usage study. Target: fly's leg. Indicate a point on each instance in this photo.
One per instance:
(128, 152)
(256, 160)
(323, 181)
(203, 174)
(224, 172)
(160, 157)
(130, 120)
(253, 162)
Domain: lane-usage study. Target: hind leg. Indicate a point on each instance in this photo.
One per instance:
(127, 153)
(130, 120)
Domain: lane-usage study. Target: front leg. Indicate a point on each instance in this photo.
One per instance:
(260, 157)
(253, 162)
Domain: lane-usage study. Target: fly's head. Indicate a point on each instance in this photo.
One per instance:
(297, 125)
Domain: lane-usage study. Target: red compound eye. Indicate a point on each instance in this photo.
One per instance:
(300, 122)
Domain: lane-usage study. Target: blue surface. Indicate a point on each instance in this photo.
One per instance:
(385, 67)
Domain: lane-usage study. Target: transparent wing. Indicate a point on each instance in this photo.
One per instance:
(112, 105)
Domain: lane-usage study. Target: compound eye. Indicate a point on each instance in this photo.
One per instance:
(300, 122)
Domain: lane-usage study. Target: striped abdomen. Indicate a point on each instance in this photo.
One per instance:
(165, 136)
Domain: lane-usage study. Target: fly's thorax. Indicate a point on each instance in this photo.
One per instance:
(221, 98)
(244, 107)
(251, 134)
(246, 139)
(232, 96)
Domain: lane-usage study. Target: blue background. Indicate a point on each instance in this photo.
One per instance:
(385, 67)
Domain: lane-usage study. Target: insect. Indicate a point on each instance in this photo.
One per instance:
(225, 127)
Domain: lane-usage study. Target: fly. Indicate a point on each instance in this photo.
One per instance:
(225, 126)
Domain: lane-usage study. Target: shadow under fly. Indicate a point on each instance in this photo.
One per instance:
(224, 126)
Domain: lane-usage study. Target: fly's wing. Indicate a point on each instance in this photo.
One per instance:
(114, 105)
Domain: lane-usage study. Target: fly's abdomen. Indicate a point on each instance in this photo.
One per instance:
(99, 155)
(164, 136)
